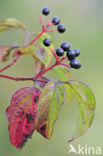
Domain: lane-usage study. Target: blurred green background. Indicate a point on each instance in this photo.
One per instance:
(84, 22)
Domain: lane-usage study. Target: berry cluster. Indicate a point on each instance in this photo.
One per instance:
(71, 54)
(55, 20)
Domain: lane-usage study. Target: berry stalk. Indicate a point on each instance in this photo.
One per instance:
(37, 37)
(54, 54)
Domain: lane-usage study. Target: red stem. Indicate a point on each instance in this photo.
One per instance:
(33, 78)
(42, 81)
(54, 54)
(56, 63)
(64, 61)
(37, 37)
(42, 73)
(63, 58)
(21, 79)
(16, 78)
(9, 65)
(49, 23)
(42, 22)
(15, 60)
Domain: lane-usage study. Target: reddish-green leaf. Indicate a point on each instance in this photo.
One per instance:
(50, 102)
(21, 115)
(5, 52)
(86, 102)
(62, 73)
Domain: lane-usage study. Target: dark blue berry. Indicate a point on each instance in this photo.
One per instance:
(46, 11)
(47, 42)
(75, 64)
(71, 54)
(77, 52)
(56, 20)
(65, 46)
(59, 52)
(61, 28)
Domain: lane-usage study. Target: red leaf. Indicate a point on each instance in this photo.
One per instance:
(21, 115)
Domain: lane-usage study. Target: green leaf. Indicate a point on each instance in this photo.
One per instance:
(69, 94)
(86, 102)
(42, 55)
(51, 100)
(48, 54)
(62, 73)
(10, 23)
(5, 52)
(45, 35)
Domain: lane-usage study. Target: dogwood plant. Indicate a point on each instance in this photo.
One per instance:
(37, 107)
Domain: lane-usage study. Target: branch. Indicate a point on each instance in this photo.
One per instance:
(63, 58)
(9, 65)
(37, 37)
(44, 29)
(16, 78)
(43, 72)
(22, 79)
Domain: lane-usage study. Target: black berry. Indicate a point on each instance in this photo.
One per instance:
(61, 28)
(65, 46)
(71, 54)
(59, 52)
(56, 20)
(46, 11)
(77, 52)
(47, 42)
(75, 64)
